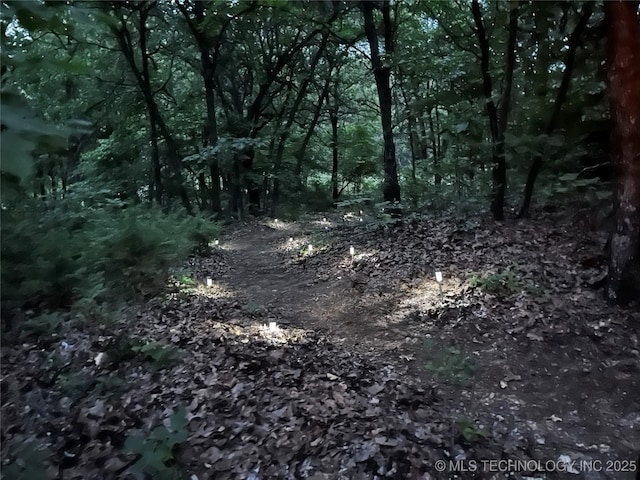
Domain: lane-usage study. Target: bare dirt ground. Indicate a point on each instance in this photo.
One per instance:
(373, 371)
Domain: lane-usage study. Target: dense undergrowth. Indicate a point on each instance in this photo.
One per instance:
(71, 254)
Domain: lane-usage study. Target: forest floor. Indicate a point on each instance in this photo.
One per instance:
(373, 369)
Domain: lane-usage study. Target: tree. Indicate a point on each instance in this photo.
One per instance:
(498, 116)
(624, 99)
(382, 75)
(561, 96)
(123, 34)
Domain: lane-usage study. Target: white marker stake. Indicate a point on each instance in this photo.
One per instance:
(273, 327)
(209, 282)
(310, 249)
(290, 239)
(352, 251)
(216, 242)
(439, 280)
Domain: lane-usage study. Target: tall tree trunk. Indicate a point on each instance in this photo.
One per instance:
(333, 117)
(412, 129)
(156, 169)
(561, 95)
(382, 75)
(212, 139)
(623, 283)
(437, 178)
(300, 154)
(208, 68)
(293, 112)
(143, 79)
(497, 119)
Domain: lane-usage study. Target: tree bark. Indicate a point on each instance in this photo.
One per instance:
(561, 95)
(497, 118)
(333, 117)
(312, 126)
(209, 49)
(412, 127)
(142, 76)
(293, 112)
(156, 174)
(623, 282)
(382, 75)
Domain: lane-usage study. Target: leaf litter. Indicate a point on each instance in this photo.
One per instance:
(371, 371)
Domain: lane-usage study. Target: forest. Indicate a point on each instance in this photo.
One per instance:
(324, 239)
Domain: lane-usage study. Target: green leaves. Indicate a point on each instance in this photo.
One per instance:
(156, 451)
(29, 463)
(22, 133)
(451, 365)
(160, 355)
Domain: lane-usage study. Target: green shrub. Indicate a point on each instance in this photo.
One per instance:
(451, 365)
(59, 253)
(504, 282)
(30, 462)
(468, 431)
(156, 451)
(158, 354)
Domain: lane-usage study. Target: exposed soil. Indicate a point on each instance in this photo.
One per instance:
(374, 369)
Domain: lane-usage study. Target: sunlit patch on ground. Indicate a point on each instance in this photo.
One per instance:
(207, 287)
(278, 224)
(248, 333)
(213, 290)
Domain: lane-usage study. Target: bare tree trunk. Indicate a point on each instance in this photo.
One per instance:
(412, 129)
(300, 154)
(333, 117)
(143, 79)
(437, 178)
(623, 283)
(382, 74)
(295, 108)
(156, 174)
(497, 119)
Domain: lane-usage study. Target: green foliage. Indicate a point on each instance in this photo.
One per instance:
(123, 348)
(109, 383)
(469, 431)
(75, 384)
(504, 282)
(161, 356)
(452, 365)
(187, 281)
(29, 462)
(62, 252)
(42, 325)
(156, 451)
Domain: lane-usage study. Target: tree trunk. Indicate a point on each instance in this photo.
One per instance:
(212, 140)
(333, 117)
(293, 112)
(437, 178)
(497, 119)
(412, 129)
(561, 95)
(143, 79)
(156, 174)
(382, 75)
(312, 126)
(623, 283)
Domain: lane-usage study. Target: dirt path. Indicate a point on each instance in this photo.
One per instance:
(268, 282)
(564, 397)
